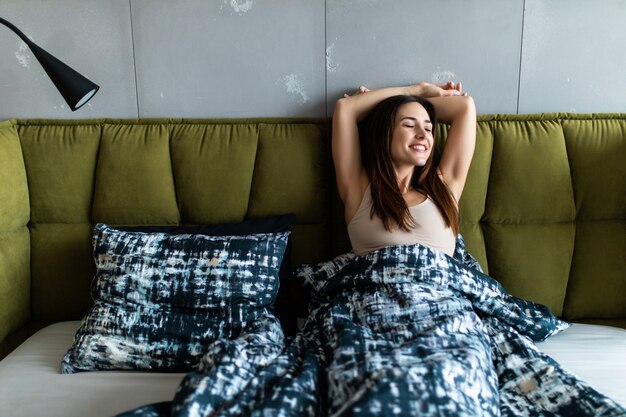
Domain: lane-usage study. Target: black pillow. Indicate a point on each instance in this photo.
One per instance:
(272, 224)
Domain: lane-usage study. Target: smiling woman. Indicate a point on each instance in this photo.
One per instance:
(386, 168)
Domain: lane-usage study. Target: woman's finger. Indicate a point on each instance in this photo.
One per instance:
(447, 86)
(360, 90)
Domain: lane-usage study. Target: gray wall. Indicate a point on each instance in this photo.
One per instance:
(291, 58)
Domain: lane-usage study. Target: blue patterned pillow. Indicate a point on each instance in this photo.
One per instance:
(160, 299)
(284, 306)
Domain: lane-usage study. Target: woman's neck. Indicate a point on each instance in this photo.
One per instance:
(404, 181)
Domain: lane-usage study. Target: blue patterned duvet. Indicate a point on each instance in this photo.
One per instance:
(404, 331)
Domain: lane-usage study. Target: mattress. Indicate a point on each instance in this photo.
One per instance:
(596, 354)
(31, 385)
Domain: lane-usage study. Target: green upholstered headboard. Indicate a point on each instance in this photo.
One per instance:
(543, 210)
(162, 172)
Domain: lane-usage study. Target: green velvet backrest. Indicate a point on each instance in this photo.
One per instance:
(158, 172)
(543, 210)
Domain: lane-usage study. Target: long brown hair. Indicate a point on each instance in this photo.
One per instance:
(376, 132)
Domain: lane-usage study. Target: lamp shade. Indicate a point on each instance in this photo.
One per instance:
(75, 89)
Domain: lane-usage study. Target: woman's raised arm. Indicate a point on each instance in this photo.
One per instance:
(460, 113)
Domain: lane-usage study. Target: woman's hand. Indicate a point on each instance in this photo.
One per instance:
(429, 90)
(361, 90)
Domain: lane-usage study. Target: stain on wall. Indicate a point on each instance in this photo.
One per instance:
(240, 6)
(23, 55)
(442, 77)
(294, 83)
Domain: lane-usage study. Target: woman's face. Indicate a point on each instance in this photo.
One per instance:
(412, 141)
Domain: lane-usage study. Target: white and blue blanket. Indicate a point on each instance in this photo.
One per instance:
(403, 331)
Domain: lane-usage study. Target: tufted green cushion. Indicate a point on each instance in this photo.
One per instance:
(213, 167)
(60, 159)
(14, 236)
(529, 168)
(473, 201)
(529, 246)
(290, 172)
(14, 210)
(61, 165)
(14, 280)
(597, 154)
(134, 180)
(597, 285)
(62, 269)
(291, 176)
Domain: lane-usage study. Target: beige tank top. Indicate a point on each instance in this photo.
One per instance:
(368, 234)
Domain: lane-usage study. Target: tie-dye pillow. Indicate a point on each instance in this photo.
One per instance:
(160, 298)
(284, 307)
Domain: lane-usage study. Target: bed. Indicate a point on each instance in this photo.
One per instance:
(595, 353)
(548, 187)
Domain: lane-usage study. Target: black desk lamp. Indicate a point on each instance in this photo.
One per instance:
(75, 89)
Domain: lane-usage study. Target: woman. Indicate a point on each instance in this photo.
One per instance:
(392, 191)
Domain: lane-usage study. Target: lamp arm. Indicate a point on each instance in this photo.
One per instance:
(16, 30)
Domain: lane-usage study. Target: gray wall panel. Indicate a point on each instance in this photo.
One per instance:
(574, 56)
(91, 36)
(230, 58)
(253, 58)
(391, 43)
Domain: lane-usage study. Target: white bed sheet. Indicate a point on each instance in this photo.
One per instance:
(596, 354)
(31, 385)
